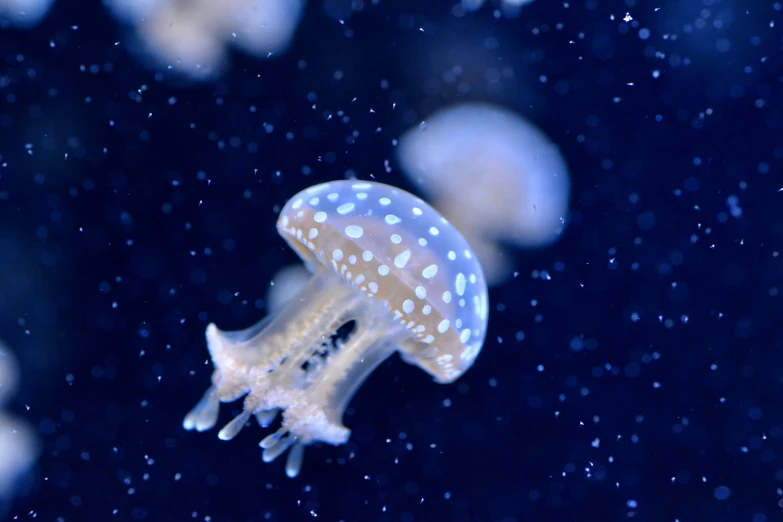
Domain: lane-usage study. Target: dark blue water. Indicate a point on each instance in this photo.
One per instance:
(642, 381)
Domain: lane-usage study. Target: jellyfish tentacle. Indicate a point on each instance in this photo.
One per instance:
(204, 414)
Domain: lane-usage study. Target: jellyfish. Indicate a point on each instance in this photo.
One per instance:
(510, 5)
(286, 283)
(20, 446)
(494, 175)
(23, 13)
(192, 36)
(383, 261)
(182, 36)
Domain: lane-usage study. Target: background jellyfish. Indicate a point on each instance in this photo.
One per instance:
(23, 13)
(18, 444)
(285, 284)
(496, 176)
(509, 7)
(192, 37)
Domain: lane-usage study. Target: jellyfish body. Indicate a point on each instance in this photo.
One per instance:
(192, 36)
(23, 13)
(510, 5)
(382, 260)
(19, 445)
(285, 284)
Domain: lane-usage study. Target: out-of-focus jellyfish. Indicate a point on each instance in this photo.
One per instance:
(9, 374)
(384, 263)
(191, 37)
(511, 6)
(132, 11)
(259, 27)
(18, 444)
(494, 175)
(285, 284)
(23, 13)
(182, 36)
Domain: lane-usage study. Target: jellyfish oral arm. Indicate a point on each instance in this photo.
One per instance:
(295, 365)
(204, 415)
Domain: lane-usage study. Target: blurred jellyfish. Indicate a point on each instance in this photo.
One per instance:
(18, 445)
(494, 175)
(9, 376)
(286, 283)
(192, 37)
(259, 27)
(183, 38)
(23, 13)
(132, 11)
(472, 5)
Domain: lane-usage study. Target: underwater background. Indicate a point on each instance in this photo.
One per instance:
(632, 368)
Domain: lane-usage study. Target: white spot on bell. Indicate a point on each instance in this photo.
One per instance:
(407, 306)
(430, 272)
(443, 326)
(402, 258)
(460, 284)
(320, 216)
(354, 231)
(345, 208)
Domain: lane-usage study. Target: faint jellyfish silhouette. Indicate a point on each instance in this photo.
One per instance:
(18, 445)
(382, 260)
(9, 374)
(192, 37)
(285, 284)
(494, 175)
(181, 36)
(510, 7)
(260, 27)
(23, 13)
